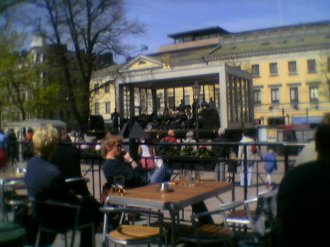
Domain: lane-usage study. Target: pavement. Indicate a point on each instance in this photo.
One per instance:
(96, 179)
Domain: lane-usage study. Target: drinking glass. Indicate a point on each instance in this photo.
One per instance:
(191, 179)
(119, 182)
(199, 176)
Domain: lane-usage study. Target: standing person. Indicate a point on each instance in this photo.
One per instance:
(250, 158)
(190, 117)
(44, 181)
(182, 106)
(3, 156)
(212, 104)
(222, 152)
(270, 164)
(147, 152)
(115, 121)
(12, 147)
(303, 192)
(27, 144)
(232, 164)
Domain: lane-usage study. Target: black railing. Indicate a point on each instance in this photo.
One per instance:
(91, 160)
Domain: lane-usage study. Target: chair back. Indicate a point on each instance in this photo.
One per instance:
(127, 232)
(54, 215)
(266, 213)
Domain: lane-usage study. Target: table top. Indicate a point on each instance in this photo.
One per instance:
(11, 175)
(182, 195)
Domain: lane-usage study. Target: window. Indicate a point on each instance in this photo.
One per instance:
(107, 107)
(257, 96)
(97, 108)
(292, 66)
(96, 88)
(255, 70)
(171, 102)
(186, 99)
(294, 95)
(37, 58)
(159, 101)
(107, 88)
(273, 69)
(275, 95)
(313, 94)
(311, 66)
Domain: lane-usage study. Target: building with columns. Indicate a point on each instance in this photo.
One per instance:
(290, 67)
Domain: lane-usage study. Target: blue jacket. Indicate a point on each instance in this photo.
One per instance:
(270, 161)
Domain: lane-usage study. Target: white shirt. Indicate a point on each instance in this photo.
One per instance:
(249, 153)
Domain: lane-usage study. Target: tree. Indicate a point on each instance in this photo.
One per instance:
(324, 72)
(92, 28)
(8, 4)
(19, 81)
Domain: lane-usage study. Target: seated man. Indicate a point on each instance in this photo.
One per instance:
(67, 158)
(303, 193)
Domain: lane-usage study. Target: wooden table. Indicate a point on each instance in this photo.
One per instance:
(179, 198)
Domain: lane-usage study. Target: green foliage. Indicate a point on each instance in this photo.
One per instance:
(187, 151)
(20, 84)
(203, 152)
(44, 98)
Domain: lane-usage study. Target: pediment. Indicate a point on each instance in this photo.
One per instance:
(142, 63)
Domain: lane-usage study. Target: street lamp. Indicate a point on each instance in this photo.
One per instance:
(196, 91)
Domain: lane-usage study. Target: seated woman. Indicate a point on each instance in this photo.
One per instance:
(44, 181)
(118, 163)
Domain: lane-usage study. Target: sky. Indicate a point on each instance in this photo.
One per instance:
(163, 17)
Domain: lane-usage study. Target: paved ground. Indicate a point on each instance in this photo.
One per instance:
(211, 203)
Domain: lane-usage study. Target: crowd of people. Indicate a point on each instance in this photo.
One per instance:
(183, 117)
(54, 158)
(9, 147)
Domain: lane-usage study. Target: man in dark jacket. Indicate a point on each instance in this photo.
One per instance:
(303, 193)
(220, 151)
(68, 160)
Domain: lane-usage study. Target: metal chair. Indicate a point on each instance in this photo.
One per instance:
(150, 230)
(242, 217)
(12, 235)
(13, 195)
(258, 223)
(46, 214)
(202, 234)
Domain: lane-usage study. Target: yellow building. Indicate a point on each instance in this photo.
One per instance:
(290, 66)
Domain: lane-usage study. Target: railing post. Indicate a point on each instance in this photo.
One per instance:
(286, 159)
(245, 172)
